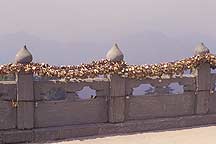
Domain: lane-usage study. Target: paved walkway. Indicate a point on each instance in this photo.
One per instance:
(203, 135)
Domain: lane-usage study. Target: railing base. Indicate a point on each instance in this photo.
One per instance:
(56, 133)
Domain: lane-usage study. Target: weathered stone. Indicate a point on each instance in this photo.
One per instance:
(23, 56)
(117, 99)
(203, 81)
(25, 96)
(61, 113)
(16, 136)
(25, 115)
(7, 115)
(54, 133)
(115, 54)
(201, 49)
(151, 107)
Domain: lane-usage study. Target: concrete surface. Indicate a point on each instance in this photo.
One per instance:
(202, 135)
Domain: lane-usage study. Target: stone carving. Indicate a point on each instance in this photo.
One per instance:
(201, 49)
(56, 94)
(154, 89)
(86, 93)
(176, 88)
(115, 54)
(144, 89)
(23, 56)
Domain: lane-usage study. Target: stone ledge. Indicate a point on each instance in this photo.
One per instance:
(16, 136)
(1, 141)
(56, 133)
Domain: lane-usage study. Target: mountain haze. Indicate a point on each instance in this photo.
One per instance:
(138, 48)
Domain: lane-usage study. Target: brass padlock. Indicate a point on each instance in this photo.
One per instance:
(14, 103)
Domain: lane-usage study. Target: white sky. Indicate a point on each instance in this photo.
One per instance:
(72, 20)
(82, 30)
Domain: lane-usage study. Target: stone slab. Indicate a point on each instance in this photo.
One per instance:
(145, 107)
(61, 113)
(56, 133)
(25, 87)
(17, 136)
(25, 115)
(7, 115)
(117, 99)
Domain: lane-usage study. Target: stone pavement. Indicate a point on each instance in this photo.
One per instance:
(202, 135)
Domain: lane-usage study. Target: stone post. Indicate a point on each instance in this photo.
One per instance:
(117, 89)
(203, 82)
(25, 94)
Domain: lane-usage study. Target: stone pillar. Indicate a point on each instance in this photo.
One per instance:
(117, 89)
(25, 94)
(203, 82)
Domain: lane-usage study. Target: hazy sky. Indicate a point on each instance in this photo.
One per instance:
(108, 20)
(77, 19)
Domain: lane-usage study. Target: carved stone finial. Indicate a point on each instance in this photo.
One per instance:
(23, 56)
(201, 49)
(115, 54)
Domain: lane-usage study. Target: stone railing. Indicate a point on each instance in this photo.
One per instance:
(77, 102)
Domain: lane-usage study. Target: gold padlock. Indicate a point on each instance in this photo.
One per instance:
(14, 103)
(212, 92)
